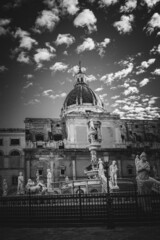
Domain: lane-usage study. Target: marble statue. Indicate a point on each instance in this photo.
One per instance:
(113, 173)
(100, 167)
(20, 188)
(5, 187)
(91, 124)
(49, 179)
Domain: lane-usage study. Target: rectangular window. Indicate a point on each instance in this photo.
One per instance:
(1, 142)
(15, 142)
(14, 180)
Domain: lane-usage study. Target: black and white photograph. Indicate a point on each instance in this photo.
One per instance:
(79, 119)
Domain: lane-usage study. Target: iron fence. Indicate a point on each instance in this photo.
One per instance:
(84, 209)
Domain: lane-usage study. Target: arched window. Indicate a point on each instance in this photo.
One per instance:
(15, 153)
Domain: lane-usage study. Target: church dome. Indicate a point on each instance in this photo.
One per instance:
(82, 97)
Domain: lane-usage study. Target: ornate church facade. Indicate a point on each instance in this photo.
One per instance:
(85, 132)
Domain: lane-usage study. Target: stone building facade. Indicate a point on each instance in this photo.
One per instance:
(84, 132)
(12, 143)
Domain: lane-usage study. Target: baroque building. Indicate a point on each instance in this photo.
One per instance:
(85, 132)
(72, 143)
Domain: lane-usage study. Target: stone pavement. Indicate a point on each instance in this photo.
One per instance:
(81, 233)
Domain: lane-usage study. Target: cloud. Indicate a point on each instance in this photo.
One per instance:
(3, 23)
(144, 82)
(155, 49)
(115, 97)
(29, 84)
(42, 54)
(130, 90)
(25, 40)
(109, 78)
(129, 6)
(151, 3)
(47, 20)
(99, 89)
(124, 25)
(32, 101)
(146, 64)
(28, 76)
(107, 2)
(67, 39)
(3, 68)
(61, 95)
(87, 45)
(74, 70)
(59, 66)
(102, 96)
(22, 57)
(90, 78)
(102, 45)
(71, 6)
(156, 72)
(154, 23)
(86, 18)
(50, 3)
(52, 49)
(47, 92)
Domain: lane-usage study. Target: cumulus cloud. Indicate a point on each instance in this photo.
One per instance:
(25, 40)
(3, 26)
(22, 57)
(144, 82)
(86, 19)
(90, 78)
(107, 2)
(87, 45)
(155, 49)
(151, 3)
(47, 20)
(99, 89)
(146, 64)
(109, 78)
(71, 6)
(125, 24)
(43, 54)
(131, 90)
(3, 68)
(47, 92)
(74, 70)
(67, 39)
(52, 49)
(154, 23)
(59, 66)
(61, 95)
(156, 72)
(129, 6)
(102, 45)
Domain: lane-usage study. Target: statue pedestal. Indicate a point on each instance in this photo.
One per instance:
(92, 173)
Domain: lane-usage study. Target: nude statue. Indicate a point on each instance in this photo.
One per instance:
(20, 188)
(113, 173)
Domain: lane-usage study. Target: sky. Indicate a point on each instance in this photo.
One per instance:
(42, 42)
